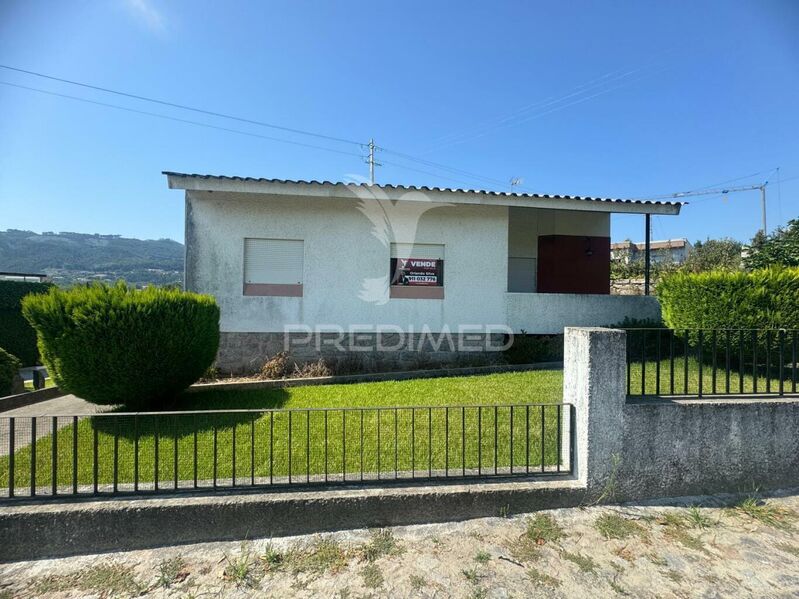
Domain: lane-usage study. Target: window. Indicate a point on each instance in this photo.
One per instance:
(521, 275)
(417, 271)
(273, 267)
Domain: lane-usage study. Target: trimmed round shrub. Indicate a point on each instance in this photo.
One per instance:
(9, 367)
(118, 345)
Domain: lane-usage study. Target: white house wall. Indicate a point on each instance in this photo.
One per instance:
(342, 256)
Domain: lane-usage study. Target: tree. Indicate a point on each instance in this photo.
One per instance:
(714, 254)
(781, 248)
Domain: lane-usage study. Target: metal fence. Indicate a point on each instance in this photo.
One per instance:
(702, 362)
(120, 453)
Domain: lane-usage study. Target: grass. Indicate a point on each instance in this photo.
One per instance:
(737, 383)
(482, 557)
(381, 543)
(696, 519)
(241, 570)
(614, 526)
(542, 579)
(542, 528)
(172, 571)
(105, 580)
(323, 554)
(419, 438)
(372, 576)
(583, 562)
(428, 437)
(766, 513)
(48, 382)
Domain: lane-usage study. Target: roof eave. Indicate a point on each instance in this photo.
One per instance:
(350, 191)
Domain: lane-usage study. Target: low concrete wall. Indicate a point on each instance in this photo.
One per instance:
(550, 313)
(694, 447)
(58, 529)
(245, 385)
(364, 352)
(668, 448)
(11, 402)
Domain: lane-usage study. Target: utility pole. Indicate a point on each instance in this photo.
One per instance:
(763, 206)
(371, 161)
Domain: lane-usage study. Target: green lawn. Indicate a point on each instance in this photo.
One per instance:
(766, 382)
(405, 437)
(417, 432)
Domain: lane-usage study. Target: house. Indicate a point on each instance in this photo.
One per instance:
(396, 274)
(674, 251)
(23, 276)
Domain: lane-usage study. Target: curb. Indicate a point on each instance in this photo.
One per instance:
(59, 528)
(372, 377)
(29, 398)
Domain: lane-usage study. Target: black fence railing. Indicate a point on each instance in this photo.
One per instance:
(119, 453)
(701, 362)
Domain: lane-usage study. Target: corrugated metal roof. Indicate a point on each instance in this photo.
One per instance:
(503, 194)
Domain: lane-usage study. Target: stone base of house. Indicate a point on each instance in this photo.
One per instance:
(347, 353)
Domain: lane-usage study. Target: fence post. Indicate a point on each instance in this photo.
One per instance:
(594, 380)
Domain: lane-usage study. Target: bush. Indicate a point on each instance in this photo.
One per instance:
(528, 349)
(764, 299)
(9, 366)
(16, 335)
(118, 345)
(276, 367)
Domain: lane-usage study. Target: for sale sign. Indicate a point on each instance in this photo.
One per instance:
(418, 272)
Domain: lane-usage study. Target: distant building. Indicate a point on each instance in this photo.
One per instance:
(23, 276)
(669, 250)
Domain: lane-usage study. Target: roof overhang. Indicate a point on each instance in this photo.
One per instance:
(363, 191)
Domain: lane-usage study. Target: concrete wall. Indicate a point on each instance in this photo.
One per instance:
(550, 313)
(704, 446)
(669, 448)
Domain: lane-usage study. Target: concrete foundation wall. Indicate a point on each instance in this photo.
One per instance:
(360, 352)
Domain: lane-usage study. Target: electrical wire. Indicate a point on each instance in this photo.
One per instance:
(179, 120)
(183, 106)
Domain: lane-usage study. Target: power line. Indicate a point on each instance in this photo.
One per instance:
(179, 120)
(183, 106)
(227, 116)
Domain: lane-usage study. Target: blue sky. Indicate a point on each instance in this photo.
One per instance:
(617, 99)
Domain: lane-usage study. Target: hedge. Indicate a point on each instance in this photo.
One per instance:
(764, 299)
(16, 335)
(9, 366)
(117, 345)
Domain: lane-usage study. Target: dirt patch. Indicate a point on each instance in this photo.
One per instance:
(748, 550)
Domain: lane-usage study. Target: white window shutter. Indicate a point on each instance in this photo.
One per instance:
(273, 261)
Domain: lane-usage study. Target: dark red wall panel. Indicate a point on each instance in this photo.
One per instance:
(573, 264)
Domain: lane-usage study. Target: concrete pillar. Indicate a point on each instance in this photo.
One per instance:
(595, 382)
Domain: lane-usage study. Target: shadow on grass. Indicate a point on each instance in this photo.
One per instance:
(199, 416)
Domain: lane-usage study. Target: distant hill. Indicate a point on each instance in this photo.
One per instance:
(78, 257)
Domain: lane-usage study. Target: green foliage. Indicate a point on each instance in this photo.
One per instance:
(781, 248)
(118, 345)
(9, 366)
(16, 335)
(714, 254)
(528, 349)
(764, 299)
